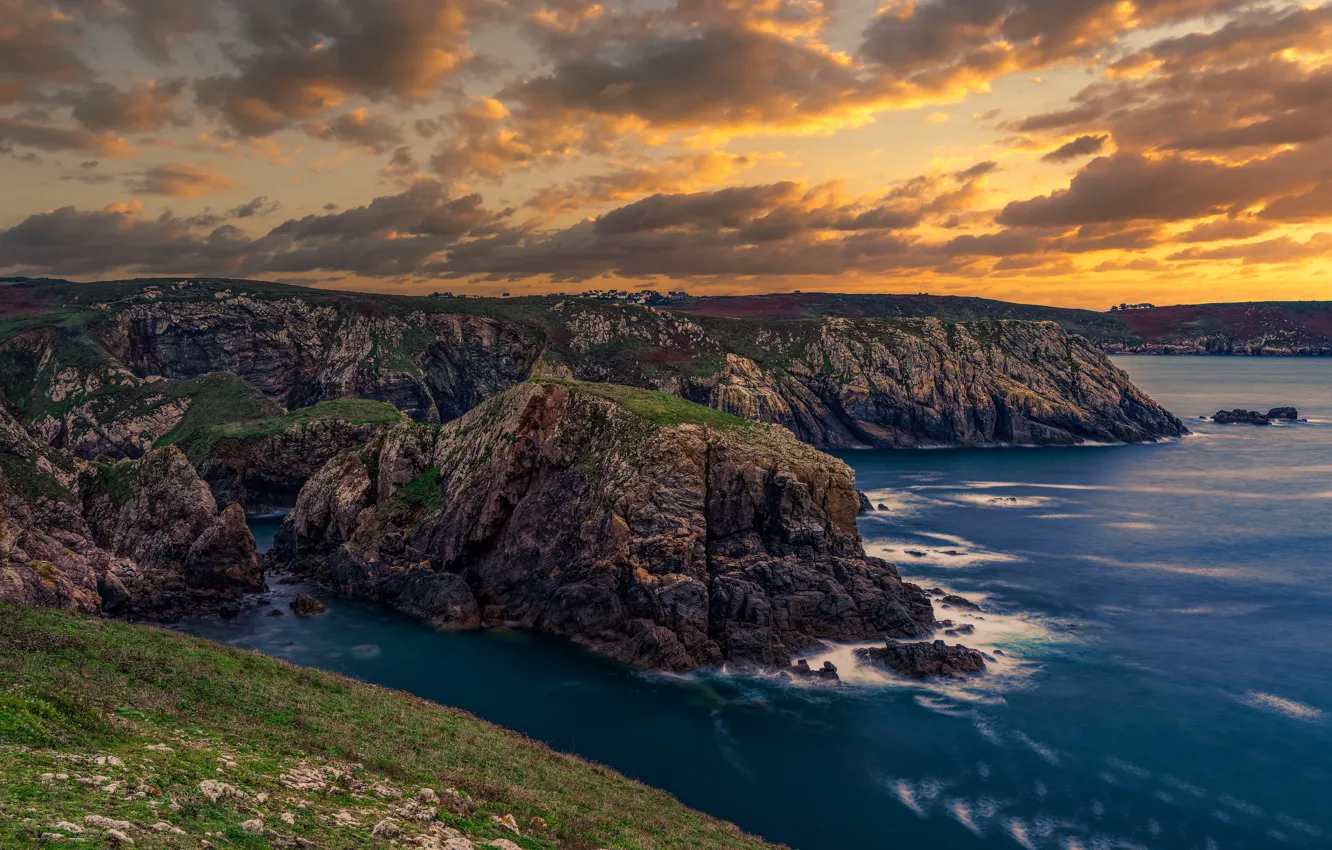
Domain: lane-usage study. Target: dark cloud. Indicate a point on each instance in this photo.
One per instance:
(939, 36)
(1130, 186)
(154, 25)
(393, 235)
(53, 137)
(1077, 149)
(1223, 230)
(372, 131)
(144, 108)
(304, 57)
(1277, 251)
(37, 45)
(256, 208)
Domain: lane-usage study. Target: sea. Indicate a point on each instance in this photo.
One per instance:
(1160, 618)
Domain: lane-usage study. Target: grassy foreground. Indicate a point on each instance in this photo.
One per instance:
(190, 744)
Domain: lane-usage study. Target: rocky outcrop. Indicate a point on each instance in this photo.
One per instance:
(1240, 417)
(924, 660)
(835, 382)
(47, 556)
(157, 515)
(433, 367)
(647, 528)
(1288, 414)
(904, 383)
(266, 472)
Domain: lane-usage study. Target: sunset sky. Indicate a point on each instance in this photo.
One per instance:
(1073, 152)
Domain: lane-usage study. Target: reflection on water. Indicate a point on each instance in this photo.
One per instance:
(1160, 610)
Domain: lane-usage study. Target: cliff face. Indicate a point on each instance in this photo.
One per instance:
(142, 536)
(129, 377)
(157, 513)
(655, 531)
(432, 367)
(47, 556)
(923, 383)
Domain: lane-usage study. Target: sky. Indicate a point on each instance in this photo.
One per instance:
(1071, 152)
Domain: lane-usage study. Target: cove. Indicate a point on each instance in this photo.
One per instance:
(1160, 610)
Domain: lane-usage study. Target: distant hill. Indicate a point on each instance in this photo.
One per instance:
(1271, 328)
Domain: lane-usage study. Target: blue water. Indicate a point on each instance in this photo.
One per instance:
(1163, 611)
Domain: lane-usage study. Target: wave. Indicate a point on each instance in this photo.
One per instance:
(959, 554)
(1281, 705)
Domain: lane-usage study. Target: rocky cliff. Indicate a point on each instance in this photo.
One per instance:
(659, 532)
(138, 369)
(139, 536)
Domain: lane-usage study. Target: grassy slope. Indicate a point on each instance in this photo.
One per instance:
(658, 408)
(206, 425)
(73, 689)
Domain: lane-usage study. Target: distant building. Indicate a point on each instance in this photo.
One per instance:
(1122, 307)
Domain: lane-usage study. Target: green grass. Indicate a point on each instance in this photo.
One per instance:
(658, 408)
(73, 689)
(197, 436)
(422, 494)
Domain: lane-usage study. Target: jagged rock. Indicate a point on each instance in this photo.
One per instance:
(266, 472)
(866, 506)
(1242, 417)
(960, 602)
(558, 508)
(828, 671)
(157, 515)
(306, 605)
(48, 557)
(1289, 414)
(922, 660)
(224, 557)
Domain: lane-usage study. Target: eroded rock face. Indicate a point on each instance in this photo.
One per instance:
(905, 383)
(267, 473)
(433, 367)
(159, 517)
(668, 546)
(47, 556)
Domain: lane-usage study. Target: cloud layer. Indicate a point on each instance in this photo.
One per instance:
(718, 140)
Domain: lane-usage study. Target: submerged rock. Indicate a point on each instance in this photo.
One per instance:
(960, 602)
(923, 660)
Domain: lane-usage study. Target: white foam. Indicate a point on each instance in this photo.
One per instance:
(902, 551)
(1281, 705)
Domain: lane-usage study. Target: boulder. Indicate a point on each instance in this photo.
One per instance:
(1289, 414)
(306, 605)
(1240, 417)
(924, 660)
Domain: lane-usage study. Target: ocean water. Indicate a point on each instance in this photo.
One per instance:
(1163, 611)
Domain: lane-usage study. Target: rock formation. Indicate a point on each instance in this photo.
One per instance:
(1241, 417)
(658, 532)
(922, 660)
(134, 373)
(47, 555)
(134, 536)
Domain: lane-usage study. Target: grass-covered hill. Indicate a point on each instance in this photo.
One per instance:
(174, 742)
